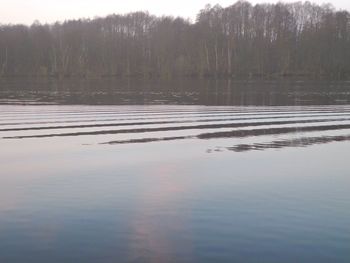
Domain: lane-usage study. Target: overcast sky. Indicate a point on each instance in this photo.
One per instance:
(26, 11)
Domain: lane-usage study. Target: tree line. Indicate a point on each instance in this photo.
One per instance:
(242, 40)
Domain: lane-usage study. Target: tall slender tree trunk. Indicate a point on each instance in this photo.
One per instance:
(229, 57)
(4, 65)
(216, 59)
(207, 57)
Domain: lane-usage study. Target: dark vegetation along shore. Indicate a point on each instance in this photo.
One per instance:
(239, 41)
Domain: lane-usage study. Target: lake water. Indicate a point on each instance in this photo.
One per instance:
(174, 183)
(108, 91)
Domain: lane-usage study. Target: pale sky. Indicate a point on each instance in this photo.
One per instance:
(26, 11)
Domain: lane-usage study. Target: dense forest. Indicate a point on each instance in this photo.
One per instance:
(242, 40)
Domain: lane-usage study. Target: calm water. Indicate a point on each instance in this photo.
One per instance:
(177, 91)
(175, 183)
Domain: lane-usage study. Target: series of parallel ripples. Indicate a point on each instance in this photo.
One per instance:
(174, 184)
(272, 127)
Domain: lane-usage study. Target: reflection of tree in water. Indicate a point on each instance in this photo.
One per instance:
(110, 91)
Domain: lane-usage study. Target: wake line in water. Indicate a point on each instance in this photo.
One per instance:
(193, 127)
(181, 115)
(272, 116)
(147, 140)
(271, 131)
(162, 122)
(243, 134)
(292, 143)
(88, 126)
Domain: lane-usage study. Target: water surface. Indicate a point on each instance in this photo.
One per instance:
(174, 183)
